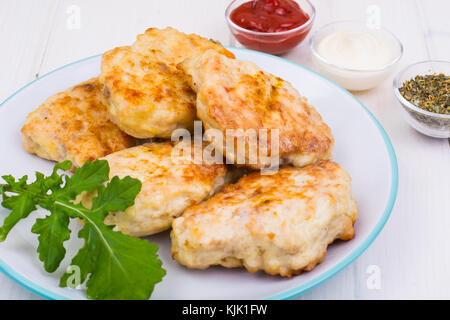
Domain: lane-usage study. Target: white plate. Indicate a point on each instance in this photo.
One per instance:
(362, 148)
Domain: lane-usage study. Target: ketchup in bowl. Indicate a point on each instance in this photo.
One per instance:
(272, 26)
(269, 15)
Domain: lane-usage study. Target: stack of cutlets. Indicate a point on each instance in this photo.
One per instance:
(279, 220)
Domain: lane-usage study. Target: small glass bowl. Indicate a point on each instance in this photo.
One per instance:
(271, 42)
(429, 123)
(353, 79)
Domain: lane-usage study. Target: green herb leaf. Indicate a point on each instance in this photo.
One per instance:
(21, 205)
(118, 266)
(87, 178)
(110, 257)
(118, 195)
(53, 230)
(27, 196)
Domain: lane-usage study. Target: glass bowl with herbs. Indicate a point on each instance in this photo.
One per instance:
(423, 90)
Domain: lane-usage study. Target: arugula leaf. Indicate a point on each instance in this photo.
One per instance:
(27, 196)
(118, 195)
(21, 205)
(116, 266)
(87, 178)
(121, 267)
(53, 231)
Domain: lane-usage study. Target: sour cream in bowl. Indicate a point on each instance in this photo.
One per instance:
(354, 55)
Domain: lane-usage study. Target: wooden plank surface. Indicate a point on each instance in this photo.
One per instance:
(412, 253)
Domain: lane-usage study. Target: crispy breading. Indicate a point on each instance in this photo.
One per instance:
(234, 95)
(281, 223)
(147, 96)
(171, 182)
(74, 125)
(172, 46)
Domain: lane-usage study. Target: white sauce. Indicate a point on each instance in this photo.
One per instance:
(355, 59)
(357, 50)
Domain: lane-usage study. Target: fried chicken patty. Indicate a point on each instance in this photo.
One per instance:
(74, 125)
(171, 182)
(147, 96)
(238, 95)
(281, 223)
(172, 46)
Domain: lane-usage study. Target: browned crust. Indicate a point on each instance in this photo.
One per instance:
(242, 96)
(267, 228)
(74, 125)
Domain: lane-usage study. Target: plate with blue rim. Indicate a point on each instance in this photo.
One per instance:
(362, 147)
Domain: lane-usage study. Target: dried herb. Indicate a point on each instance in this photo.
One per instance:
(429, 92)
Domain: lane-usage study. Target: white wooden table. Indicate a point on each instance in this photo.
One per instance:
(412, 253)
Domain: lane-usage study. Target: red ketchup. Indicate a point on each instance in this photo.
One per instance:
(274, 18)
